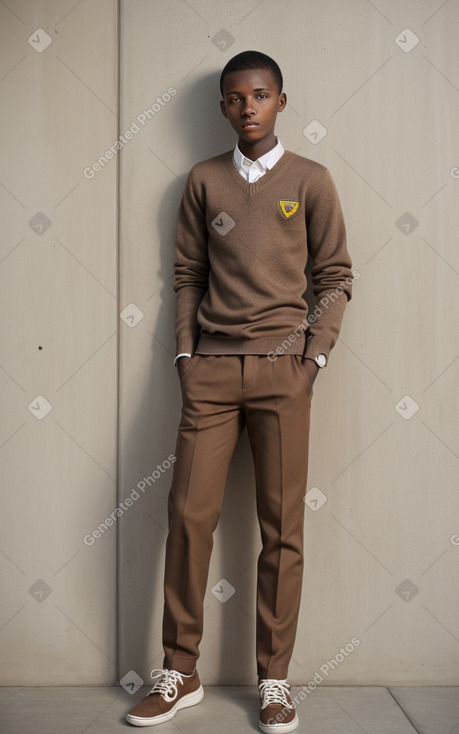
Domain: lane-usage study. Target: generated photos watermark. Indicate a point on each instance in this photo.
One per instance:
(319, 677)
(90, 171)
(122, 507)
(311, 318)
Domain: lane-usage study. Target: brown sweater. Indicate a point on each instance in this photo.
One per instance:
(241, 254)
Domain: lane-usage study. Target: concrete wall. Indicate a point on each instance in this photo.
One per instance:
(58, 357)
(382, 528)
(384, 443)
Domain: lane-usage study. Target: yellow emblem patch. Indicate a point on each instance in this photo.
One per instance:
(288, 207)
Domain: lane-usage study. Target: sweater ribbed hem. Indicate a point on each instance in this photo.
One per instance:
(209, 344)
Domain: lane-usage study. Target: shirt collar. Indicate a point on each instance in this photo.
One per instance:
(262, 164)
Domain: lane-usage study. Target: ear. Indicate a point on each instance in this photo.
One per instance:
(223, 108)
(282, 102)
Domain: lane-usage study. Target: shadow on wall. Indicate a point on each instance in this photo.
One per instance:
(206, 133)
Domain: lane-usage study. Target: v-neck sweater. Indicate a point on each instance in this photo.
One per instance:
(241, 254)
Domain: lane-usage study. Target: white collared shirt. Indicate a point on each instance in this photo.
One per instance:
(251, 171)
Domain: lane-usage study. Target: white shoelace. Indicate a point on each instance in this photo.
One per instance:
(274, 691)
(166, 686)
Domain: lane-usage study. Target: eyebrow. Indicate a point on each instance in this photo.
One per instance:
(258, 89)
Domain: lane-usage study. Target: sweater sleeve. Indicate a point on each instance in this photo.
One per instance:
(191, 265)
(331, 269)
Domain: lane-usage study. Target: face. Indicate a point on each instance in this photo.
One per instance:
(251, 102)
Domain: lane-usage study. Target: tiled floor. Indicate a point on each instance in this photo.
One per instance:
(228, 709)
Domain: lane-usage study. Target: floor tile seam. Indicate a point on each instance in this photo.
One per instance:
(408, 718)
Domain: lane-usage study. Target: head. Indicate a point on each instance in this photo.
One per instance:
(252, 60)
(252, 96)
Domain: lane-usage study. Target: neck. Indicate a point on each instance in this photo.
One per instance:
(255, 150)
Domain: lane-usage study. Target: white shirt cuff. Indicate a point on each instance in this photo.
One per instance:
(182, 354)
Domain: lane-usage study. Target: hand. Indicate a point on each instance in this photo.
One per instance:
(311, 368)
(182, 364)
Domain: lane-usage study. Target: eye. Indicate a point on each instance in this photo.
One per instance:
(262, 96)
(235, 99)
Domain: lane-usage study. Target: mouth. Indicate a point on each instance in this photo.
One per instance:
(249, 125)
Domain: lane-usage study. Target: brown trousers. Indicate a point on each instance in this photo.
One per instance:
(221, 394)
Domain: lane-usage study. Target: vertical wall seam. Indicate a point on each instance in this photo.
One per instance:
(118, 350)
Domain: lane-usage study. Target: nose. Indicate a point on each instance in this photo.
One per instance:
(247, 109)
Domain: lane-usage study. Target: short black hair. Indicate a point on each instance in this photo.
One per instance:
(252, 60)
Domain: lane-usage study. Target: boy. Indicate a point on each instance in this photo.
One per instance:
(247, 354)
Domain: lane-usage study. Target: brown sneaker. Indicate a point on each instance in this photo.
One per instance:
(277, 709)
(173, 691)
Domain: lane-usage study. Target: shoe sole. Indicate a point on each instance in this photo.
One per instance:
(191, 699)
(279, 728)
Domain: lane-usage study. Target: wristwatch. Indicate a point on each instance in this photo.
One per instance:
(321, 360)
